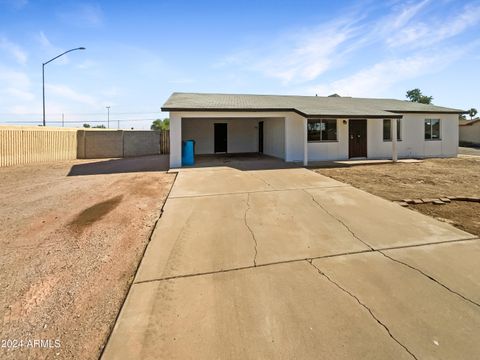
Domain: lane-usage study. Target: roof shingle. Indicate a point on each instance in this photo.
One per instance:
(304, 105)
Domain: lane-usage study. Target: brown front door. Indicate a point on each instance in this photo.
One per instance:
(357, 135)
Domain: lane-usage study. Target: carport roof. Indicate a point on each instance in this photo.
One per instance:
(303, 105)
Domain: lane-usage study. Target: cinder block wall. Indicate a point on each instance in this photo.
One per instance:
(33, 144)
(97, 144)
(138, 143)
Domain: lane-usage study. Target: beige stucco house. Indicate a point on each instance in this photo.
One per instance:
(310, 128)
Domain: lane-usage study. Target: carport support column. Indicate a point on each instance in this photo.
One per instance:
(175, 140)
(393, 123)
(305, 142)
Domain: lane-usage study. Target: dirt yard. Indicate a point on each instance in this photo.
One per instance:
(71, 237)
(431, 178)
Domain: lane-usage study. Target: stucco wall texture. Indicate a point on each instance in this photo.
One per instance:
(470, 134)
(30, 144)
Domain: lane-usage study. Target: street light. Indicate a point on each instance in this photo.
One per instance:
(43, 76)
(108, 117)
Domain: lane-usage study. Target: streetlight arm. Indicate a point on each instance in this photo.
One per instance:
(56, 57)
(43, 76)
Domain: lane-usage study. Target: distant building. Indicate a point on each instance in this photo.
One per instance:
(469, 132)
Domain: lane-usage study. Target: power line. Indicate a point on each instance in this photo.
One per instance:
(111, 113)
(74, 122)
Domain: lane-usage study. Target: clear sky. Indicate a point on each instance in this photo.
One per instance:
(139, 52)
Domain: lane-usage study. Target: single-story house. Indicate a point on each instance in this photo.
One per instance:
(310, 128)
(469, 132)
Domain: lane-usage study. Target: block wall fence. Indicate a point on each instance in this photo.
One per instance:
(35, 144)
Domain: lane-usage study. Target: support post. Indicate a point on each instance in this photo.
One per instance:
(305, 142)
(175, 140)
(393, 123)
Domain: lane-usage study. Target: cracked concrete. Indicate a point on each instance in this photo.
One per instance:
(285, 311)
(444, 262)
(251, 231)
(190, 238)
(340, 221)
(197, 293)
(431, 278)
(366, 307)
(429, 320)
(382, 223)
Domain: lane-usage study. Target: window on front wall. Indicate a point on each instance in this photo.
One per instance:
(432, 129)
(322, 129)
(387, 130)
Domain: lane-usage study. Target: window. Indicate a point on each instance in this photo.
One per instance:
(432, 129)
(387, 130)
(322, 130)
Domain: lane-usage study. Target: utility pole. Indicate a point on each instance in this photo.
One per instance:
(108, 117)
(63, 120)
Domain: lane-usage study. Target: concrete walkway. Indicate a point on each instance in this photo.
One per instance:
(468, 151)
(286, 263)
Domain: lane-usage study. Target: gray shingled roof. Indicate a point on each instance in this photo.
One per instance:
(304, 105)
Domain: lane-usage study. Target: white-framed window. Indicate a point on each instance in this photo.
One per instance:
(432, 129)
(322, 130)
(387, 130)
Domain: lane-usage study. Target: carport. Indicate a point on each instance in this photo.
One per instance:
(236, 135)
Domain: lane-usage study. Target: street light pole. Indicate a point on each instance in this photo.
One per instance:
(108, 117)
(43, 92)
(43, 76)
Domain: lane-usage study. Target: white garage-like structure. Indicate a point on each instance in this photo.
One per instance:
(310, 128)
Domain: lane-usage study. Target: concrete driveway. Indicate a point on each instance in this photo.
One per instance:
(286, 263)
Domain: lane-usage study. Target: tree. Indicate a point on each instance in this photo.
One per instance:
(86, 126)
(160, 125)
(415, 95)
(101, 126)
(472, 112)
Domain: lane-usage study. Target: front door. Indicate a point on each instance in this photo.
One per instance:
(220, 138)
(260, 137)
(357, 135)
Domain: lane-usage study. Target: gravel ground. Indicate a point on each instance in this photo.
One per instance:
(71, 237)
(432, 178)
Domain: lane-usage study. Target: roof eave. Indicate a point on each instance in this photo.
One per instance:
(430, 111)
(346, 116)
(166, 108)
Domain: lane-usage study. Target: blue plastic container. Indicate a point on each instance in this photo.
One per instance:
(188, 152)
